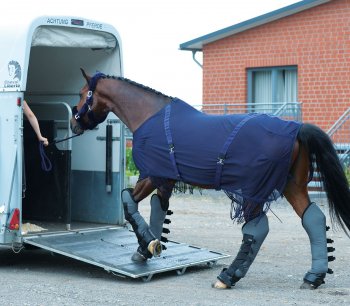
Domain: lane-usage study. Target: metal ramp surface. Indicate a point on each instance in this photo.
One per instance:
(112, 248)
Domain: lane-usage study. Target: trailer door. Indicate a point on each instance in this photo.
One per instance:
(10, 161)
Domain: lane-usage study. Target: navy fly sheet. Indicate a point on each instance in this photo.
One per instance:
(246, 155)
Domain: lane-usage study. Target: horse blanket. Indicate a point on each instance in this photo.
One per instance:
(248, 155)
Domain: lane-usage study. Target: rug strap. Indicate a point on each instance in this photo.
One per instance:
(221, 158)
(170, 140)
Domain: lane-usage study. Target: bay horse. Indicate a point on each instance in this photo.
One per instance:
(254, 158)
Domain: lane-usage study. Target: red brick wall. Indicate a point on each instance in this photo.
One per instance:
(317, 41)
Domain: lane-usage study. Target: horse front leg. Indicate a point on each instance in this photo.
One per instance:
(159, 208)
(149, 245)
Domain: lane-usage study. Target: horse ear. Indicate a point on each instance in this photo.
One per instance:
(87, 78)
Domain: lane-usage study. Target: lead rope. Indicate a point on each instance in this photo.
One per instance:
(46, 164)
(45, 161)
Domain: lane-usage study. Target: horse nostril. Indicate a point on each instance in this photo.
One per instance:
(76, 129)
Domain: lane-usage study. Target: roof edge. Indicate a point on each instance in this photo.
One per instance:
(197, 43)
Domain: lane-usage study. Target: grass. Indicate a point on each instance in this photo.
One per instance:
(347, 174)
(131, 169)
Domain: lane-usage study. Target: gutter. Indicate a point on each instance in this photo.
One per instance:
(194, 58)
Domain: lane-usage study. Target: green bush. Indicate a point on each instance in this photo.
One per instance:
(347, 173)
(130, 165)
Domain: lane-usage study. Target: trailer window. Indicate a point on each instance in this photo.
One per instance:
(53, 36)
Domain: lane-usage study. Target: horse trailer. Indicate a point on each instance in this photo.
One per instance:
(65, 197)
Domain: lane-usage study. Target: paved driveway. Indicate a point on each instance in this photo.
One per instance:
(35, 277)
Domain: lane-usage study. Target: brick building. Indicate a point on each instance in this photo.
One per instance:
(299, 53)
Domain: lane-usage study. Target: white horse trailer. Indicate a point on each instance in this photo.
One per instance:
(76, 205)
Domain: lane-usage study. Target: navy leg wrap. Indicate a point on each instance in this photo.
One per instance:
(314, 223)
(139, 225)
(254, 234)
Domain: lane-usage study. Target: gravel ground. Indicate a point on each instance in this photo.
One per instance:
(36, 277)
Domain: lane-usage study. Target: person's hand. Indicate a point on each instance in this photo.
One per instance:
(44, 141)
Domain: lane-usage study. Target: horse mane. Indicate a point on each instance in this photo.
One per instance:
(149, 89)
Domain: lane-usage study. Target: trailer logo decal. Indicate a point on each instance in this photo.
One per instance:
(15, 74)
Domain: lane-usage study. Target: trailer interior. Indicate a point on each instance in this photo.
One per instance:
(73, 193)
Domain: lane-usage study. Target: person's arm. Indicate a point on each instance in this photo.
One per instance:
(34, 122)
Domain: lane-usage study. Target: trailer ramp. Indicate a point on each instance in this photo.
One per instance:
(112, 248)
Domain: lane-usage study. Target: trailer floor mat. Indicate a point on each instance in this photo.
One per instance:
(112, 248)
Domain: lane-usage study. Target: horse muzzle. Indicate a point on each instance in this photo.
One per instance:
(75, 127)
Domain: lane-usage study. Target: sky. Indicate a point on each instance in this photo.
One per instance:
(152, 30)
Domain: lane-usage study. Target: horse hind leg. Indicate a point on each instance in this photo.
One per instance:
(254, 234)
(313, 220)
(314, 223)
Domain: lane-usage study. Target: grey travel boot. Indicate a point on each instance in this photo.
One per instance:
(148, 244)
(254, 234)
(159, 211)
(314, 223)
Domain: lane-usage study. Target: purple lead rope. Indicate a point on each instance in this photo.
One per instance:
(45, 161)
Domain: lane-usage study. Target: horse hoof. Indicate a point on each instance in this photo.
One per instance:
(137, 257)
(219, 285)
(306, 285)
(155, 248)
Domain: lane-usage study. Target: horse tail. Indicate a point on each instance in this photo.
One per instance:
(322, 153)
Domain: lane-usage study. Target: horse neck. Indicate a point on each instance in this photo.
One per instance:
(131, 104)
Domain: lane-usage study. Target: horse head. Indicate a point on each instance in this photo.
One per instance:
(89, 112)
(131, 102)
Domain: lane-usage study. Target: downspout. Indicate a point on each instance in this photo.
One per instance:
(194, 58)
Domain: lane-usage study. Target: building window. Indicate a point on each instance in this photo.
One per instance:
(269, 88)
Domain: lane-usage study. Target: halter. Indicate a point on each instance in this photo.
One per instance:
(86, 108)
